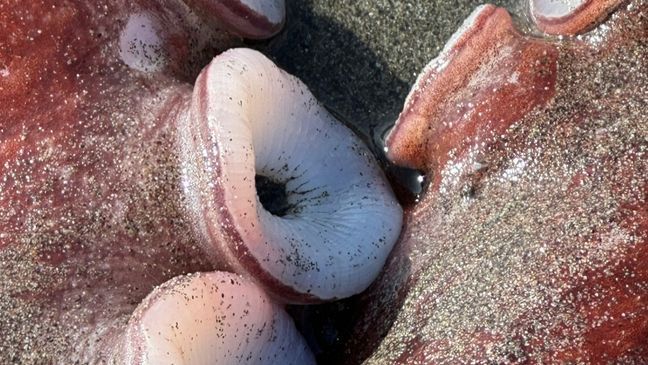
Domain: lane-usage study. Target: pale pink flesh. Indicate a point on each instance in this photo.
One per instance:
(18, 222)
(570, 17)
(180, 37)
(92, 218)
(211, 318)
(249, 117)
(255, 19)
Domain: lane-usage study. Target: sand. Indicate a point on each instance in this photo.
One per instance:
(360, 58)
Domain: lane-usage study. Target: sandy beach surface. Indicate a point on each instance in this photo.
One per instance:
(360, 57)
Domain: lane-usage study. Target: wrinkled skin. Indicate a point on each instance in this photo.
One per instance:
(530, 245)
(91, 215)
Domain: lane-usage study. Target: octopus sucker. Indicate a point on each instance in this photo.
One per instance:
(161, 202)
(179, 37)
(570, 17)
(207, 318)
(250, 126)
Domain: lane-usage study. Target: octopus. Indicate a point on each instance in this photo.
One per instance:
(529, 243)
(164, 194)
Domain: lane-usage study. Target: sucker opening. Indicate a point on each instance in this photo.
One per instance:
(273, 196)
(306, 205)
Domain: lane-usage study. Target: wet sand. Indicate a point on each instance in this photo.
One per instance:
(360, 58)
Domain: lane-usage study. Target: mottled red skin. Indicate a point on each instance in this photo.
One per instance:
(91, 213)
(582, 19)
(595, 311)
(486, 54)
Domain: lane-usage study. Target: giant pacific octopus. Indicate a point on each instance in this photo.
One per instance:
(528, 245)
(118, 175)
(530, 241)
(91, 215)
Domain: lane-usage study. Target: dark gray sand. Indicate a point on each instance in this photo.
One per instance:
(360, 57)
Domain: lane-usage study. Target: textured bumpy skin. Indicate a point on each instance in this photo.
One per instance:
(486, 62)
(91, 215)
(530, 245)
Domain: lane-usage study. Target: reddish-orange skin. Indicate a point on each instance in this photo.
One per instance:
(75, 188)
(486, 54)
(238, 18)
(583, 298)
